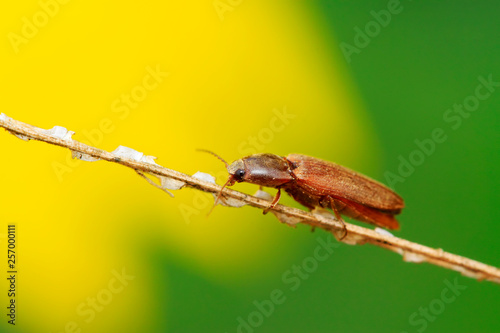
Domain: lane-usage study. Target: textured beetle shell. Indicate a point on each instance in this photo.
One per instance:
(323, 178)
(355, 195)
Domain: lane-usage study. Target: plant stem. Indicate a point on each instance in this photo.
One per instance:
(411, 252)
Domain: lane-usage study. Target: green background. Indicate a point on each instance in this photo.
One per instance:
(420, 65)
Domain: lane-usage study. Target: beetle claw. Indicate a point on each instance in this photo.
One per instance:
(345, 232)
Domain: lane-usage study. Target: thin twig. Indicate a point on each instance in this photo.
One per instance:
(411, 252)
(153, 183)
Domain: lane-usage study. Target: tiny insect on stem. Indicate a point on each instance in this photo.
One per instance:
(317, 183)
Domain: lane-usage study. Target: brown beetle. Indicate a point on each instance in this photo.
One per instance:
(317, 183)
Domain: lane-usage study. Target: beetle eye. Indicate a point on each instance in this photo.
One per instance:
(239, 173)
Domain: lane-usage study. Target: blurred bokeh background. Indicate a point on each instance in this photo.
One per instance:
(407, 92)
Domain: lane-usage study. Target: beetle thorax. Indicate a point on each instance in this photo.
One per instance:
(236, 165)
(262, 169)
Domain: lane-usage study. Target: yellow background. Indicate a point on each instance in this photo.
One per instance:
(77, 222)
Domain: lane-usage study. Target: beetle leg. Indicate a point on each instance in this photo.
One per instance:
(274, 203)
(339, 218)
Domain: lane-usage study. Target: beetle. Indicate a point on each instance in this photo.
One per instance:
(317, 183)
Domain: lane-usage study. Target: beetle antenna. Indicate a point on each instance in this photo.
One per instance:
(220, 194)
(211, 152)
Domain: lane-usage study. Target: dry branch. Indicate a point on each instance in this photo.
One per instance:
(411, 252)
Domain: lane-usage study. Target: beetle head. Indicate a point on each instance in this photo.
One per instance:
(261, 169)
(237, 171)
